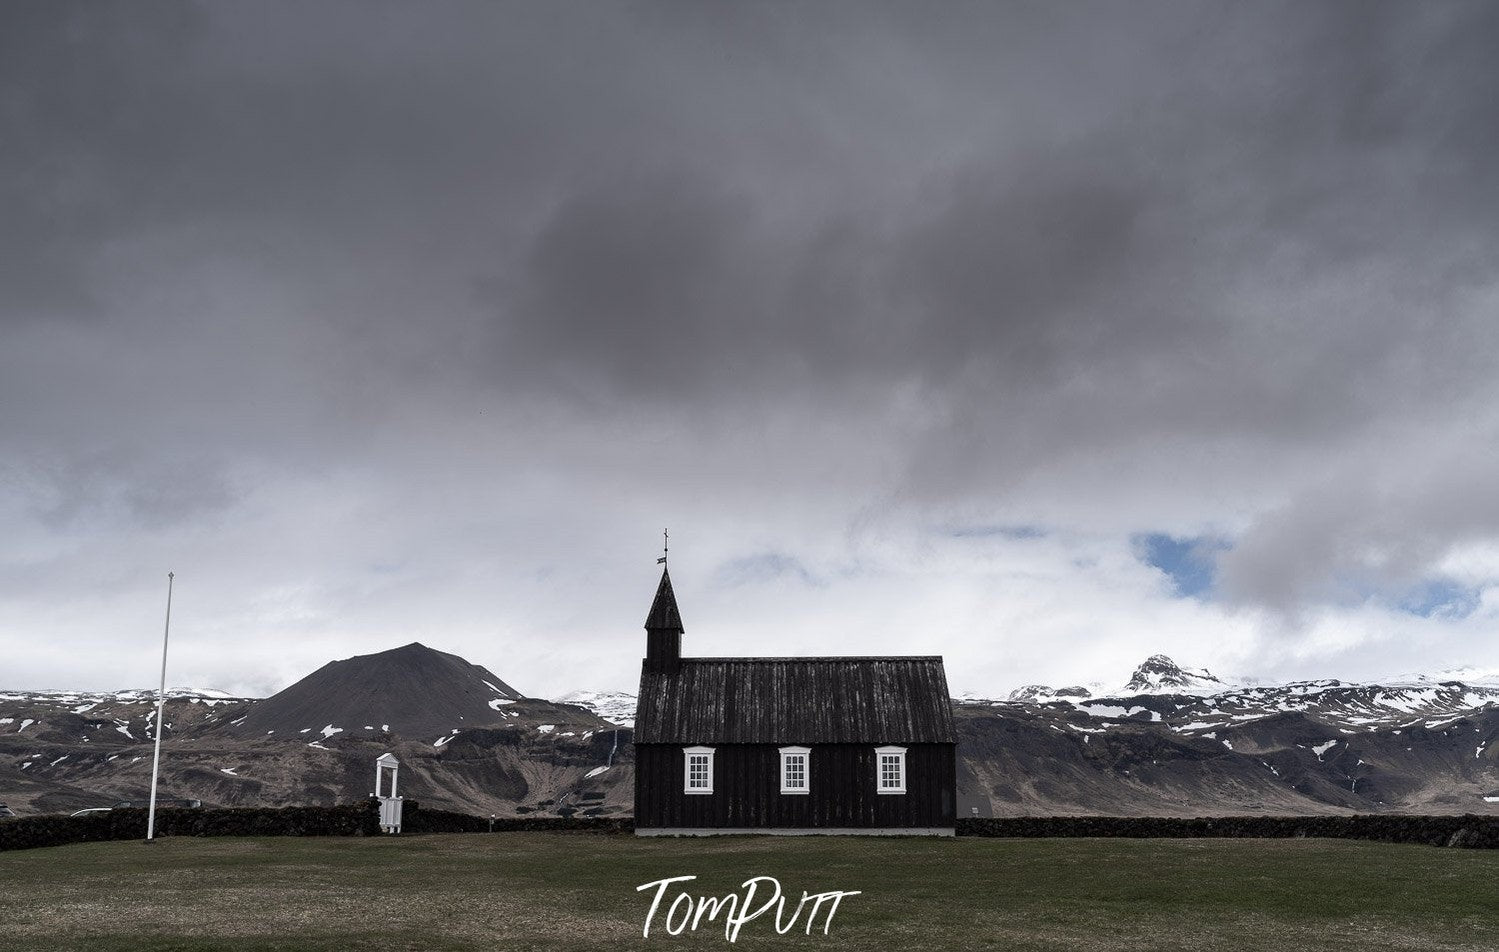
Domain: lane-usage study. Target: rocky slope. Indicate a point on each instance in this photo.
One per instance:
(465, 739)
(1176, 741)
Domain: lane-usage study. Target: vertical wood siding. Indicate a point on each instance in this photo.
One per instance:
(747, 789)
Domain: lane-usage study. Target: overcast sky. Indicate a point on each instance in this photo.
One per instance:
(1041, 336)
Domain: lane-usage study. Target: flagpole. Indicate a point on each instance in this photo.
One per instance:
(161, 701)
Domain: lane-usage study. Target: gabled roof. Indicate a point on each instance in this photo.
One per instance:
(796, 700)
(664, 614)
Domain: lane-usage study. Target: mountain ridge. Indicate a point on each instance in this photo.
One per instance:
(1174, 741)
(465, 739)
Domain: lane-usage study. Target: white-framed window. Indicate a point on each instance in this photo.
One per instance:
(796, 769)
(890, 770)
(698, 775)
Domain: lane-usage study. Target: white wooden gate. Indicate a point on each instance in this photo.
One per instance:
(390, 814)
(390, 806)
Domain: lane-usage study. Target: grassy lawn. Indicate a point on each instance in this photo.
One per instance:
(559, 891)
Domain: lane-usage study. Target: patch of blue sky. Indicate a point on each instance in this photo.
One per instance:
(1440, 598)
(1191, 562)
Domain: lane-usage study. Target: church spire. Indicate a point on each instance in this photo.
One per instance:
(664, 615)
(663, 629)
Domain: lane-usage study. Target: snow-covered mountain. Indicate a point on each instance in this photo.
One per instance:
(1176, 740)
(1158, 674)
(1042, 694)
(129, 713)
(1193, 700)
(617, 707)
(1337, 703)
(1472, 676)
(74, 699)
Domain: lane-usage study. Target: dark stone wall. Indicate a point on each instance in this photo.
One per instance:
(355, 819)
(1469, 831)
(418, 819)
(359, 819)
(362, 819)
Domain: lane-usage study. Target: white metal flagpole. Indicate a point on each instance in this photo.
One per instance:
(161, 700)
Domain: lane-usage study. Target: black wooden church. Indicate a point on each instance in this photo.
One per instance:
(789, 745)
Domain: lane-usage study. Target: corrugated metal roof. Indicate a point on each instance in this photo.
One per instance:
(796, 700)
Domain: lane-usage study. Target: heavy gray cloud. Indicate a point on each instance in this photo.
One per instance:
(385, 319)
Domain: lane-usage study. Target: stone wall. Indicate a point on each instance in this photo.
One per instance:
(362, 819)
(358, 819)
(418, 819)
(1469, 831)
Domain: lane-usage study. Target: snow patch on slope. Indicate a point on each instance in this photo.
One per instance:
(616, 707)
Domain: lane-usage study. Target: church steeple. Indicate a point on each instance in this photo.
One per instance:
(664, 614)
(663, 629)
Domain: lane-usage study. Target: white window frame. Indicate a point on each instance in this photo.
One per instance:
(805, 753)
(880, 753)
(687, 756)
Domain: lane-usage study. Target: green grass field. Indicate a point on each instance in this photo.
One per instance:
(558, 891)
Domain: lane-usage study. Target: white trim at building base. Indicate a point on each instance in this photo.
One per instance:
(797, 831)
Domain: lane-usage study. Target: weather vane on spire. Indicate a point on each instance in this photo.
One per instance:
(665, 546)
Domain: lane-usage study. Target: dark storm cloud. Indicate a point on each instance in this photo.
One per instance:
(1271, 237)
(1182, 242)
(68, 78)
(1219, 270)
(671, 281)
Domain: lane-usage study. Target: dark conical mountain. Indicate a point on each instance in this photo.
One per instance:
(413, 691)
